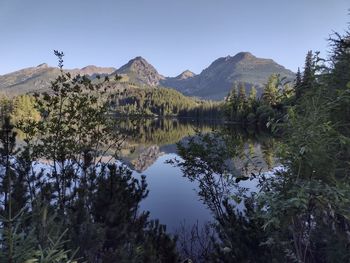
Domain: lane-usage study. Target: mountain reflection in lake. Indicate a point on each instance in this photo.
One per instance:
(175, 195)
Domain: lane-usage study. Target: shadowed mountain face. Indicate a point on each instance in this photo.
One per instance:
(179, 82)
(213, 82)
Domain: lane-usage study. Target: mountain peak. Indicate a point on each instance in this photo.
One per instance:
(215, 81)
(141, 71)
(139, 58)
(186, 74)
(244, 55)
(238, 57)
(89, 67)
(137, 62)
(42, 65)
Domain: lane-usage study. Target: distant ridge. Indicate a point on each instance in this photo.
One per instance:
(214, 82)
(93, 70)
(38, 78)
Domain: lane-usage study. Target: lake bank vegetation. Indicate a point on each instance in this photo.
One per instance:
(79, 208)
(301, 213)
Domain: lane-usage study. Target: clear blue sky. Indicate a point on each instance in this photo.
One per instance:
(172, 35)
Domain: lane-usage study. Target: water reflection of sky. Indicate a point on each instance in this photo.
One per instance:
(172, 198)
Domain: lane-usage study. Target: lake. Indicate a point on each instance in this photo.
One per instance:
(174, 198)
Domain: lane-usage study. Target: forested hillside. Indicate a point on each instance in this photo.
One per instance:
(161, 102)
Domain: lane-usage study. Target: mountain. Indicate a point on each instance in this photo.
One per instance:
(138, 70)
(180, 81)
(92, 70)
(38, 78)
(215, 81)
(185, 75)
(28, 79)
(146, 158)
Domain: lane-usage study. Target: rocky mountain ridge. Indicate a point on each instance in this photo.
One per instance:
(214, 82)
(38, 78)
(140, 71)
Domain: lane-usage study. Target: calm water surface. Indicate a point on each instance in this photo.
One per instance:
(173, 198)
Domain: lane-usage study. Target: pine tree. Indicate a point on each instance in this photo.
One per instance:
(241, 93)
(270, 94)
(242, 102)
(6, 106)
(308, 78)
(252, 98)
(297, 85)
(24, 109)
(231, 105)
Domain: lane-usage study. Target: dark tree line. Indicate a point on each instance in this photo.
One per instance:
(254, 110)
(161, 102)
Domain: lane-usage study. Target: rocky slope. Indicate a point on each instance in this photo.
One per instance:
(92, 70)
(39, 78)
(138, 70)
(214, 82)
(179, 82)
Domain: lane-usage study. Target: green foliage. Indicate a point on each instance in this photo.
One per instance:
(6, 106)
(161, 102)
(254, 111)
(24, 109)
(270, 95)
(237, 105)
(25, 245)
(305, 207)
(117, 230)
(240, 234)
(264, 113)
(78, 204)
(298, 214)
(301, 213)
(19, 243)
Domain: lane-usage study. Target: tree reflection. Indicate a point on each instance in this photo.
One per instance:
(207, 160)
(219, 162)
